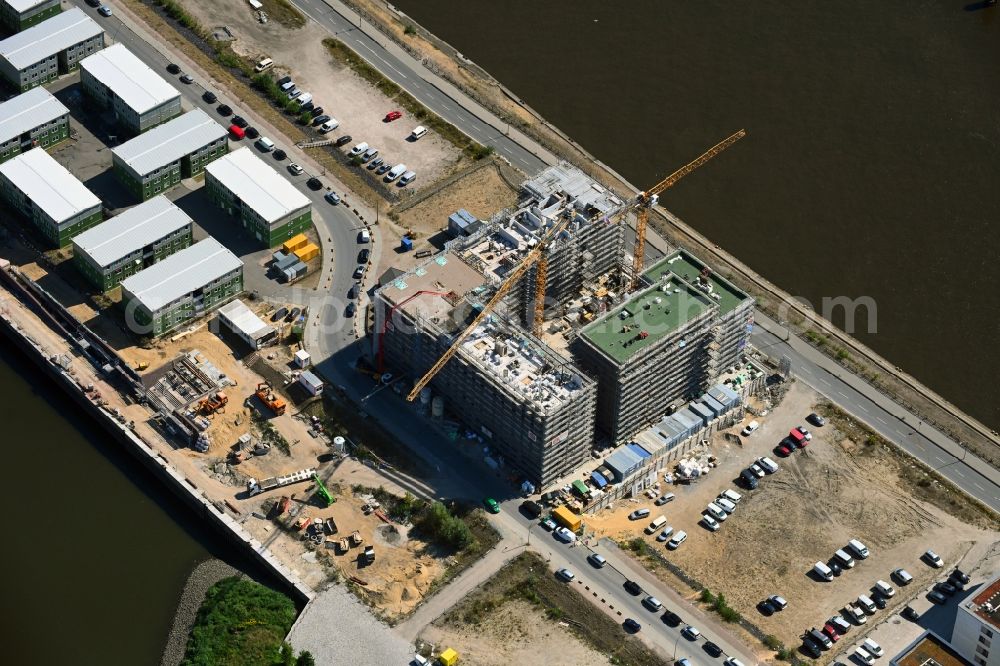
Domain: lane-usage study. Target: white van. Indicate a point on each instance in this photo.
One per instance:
(860, 550)
(329, 125)
(867, 604)
(305, 98)
(884, 587)
(725, 504)
(753, 425)
(769, 465)
(365, 236)
(844, 559)
(656, 524)
(716, 512)
(358, 149)
(863, 656)
(418, 132)
(395, 172)
(263, 65)
(288, 85)
(265, 144)
(677, 540)
(407, 178)
(873, 648)
(823, 571)
(732, 661)
(732, 496)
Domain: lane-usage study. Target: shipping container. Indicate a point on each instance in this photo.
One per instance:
(307, 252)
(567, 518)
(294, 243)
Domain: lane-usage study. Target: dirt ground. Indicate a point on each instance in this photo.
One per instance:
(823, 496)
(358, 106)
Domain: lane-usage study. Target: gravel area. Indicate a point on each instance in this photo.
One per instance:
(339, 629)
(204, 576)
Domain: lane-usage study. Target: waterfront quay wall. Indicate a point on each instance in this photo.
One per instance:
(183, 487)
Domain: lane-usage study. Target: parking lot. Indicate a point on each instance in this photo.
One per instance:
(822, 496)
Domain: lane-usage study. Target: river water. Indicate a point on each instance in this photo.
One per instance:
(97, 549)
(871, 164)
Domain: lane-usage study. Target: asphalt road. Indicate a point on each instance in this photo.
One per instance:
(345, 28)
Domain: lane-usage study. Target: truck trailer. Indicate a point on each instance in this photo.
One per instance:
(255, 487)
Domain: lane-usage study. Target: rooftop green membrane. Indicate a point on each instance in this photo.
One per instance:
(689, 268)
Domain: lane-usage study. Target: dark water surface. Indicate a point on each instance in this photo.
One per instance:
(97, 549)
(872, 162)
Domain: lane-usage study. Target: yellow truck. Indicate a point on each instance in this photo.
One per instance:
(567, 518)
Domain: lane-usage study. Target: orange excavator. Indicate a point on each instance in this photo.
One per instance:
(213, 403)
(267, 395)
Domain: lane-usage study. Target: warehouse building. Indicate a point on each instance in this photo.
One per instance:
(179, 148)
(529, 405)
(240, 320)
(267, 205)
(17, 15)
(646, 353)
(53, 47)
(51, 197)
(139, 98)
(131, 242)
(183, 286)
(34, 118)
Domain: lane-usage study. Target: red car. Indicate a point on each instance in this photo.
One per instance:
(236, 132)
(783, 449)
(831, 631)
(392, 115)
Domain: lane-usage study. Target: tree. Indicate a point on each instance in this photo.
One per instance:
(305, 659)
(306, 117)
(286, 655)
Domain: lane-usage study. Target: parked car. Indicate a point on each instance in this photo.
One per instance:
(810, 648)
(946, 589)
(652, 603)
(937, 597)
(317, 111)
(857, 614)
(105, 11)
(710, 523)
(712, 649)
(252, 132)
(352, 294)
(279, 154)
(902, 576)
(880, 600)
(240, 121)
(209, 97)
(280, 314)
(332, 197)
(173, 67)
(873, 648)
(749, 478)
(359, 272)
(664, 498)
(910, 614)
(375, 163)
(342, 141)
(631, 626)
(665, 534)
(750, 427)
(768, 465)
(392, 115)
(320, 119)
(295, 312)
(548, 524)
(778, 602)
(566, 575)
(676, 541)
(563, 534)
(670, 618)
(224, 110)
(94, 3)
(295, 168)
(283, 80)
(639, 514)
(841, 625)
(314, 183)
(363, 256)
(933, 559)
(884, 588)
(757, 470)
(491, 505)
(816, 420)
(632, 588)
(383, 168)
(351, 309)
(784, 449)
(596, 560)
(185, 78)
(960, 576)
(691, 633)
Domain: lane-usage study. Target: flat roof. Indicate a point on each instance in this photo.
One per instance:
(132, 230)
(138, 86)
(49, 37)
(243, 318)
(258, 185)
(27, 111)
(181, 273)
(49, 185)
(688, 267)
(444, 274)
(645, 318)
(929, 650)
(587, 194)
(986, 604)
(22, 6)
(169, 142)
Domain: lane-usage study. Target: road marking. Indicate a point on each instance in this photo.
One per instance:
(823, 381)
(387, 63)
(842, 394)
(979, 486)
(863, 408)
(882, 420)
(960, 473)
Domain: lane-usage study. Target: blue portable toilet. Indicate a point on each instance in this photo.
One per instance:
(406, 244)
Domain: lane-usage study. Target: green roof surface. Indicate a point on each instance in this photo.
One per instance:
(622, 338)
(688, 268)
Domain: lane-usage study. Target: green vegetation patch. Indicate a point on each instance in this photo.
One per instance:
(241, 623)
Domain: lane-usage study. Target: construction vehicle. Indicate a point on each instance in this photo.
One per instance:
(356, 539)
(342, 546)
(323, 494)
(303, 522)
(141, 365)
(265, 392)
(213, 403)
(368, 557)
(255, 487)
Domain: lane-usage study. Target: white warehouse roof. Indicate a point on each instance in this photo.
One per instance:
(48, 38)
(132, 230)
(241, 317)
(21, 6)
(27, 111)
(131, 80)
(49, 185)
(257, 184)
(181, 273)
(169, 142)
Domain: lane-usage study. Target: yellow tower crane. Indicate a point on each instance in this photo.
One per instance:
(516, 274)
(647, 199)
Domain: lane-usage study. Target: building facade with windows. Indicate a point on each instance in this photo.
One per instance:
(268, 206)
(131, 242)
(183, 286)
(17, 15)
(48, 195)
(977, 626)
(44, 51)
(180, 148)
(34, 118)
(117, 80)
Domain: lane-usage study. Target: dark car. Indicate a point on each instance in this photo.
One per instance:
(363, 256)
(880, 601)
(209, 97)
(187, 78)
(293, 314)
(711, 648)
(816, 420)
(240, 121)
(835, 567)
(173, 67)
(224, 110)
(319, 120)
(937, 597)
(353, 293)
(279, 154)
(317, 111)
(280, 314)
(749, 479)
(97, 3)
(343, 140)
(960, 576)
(766, 607)
(632, 587)
(530, 509)
(810, 648)
(383, 168)
(945, 588)
(671, 619)
(631, 626)
(375, 163)
(359, 272)
(314, 183)
(252, 132)
(910, 614)
(351, 309)
(308, 106)
(283, 80)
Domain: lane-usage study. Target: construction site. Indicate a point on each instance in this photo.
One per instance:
(544, 337)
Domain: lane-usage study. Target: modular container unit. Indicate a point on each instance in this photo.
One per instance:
(32, 119)
(42, 52)
(18, 15)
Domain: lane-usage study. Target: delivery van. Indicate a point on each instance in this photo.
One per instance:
(395, 172)
(823, 571)
(656, 524)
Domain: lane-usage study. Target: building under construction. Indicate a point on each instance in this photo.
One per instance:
(530, 405)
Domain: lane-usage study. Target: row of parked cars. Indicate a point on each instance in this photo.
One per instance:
(842, 559)
(369, 155)
(719, 509)
(752, 475)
